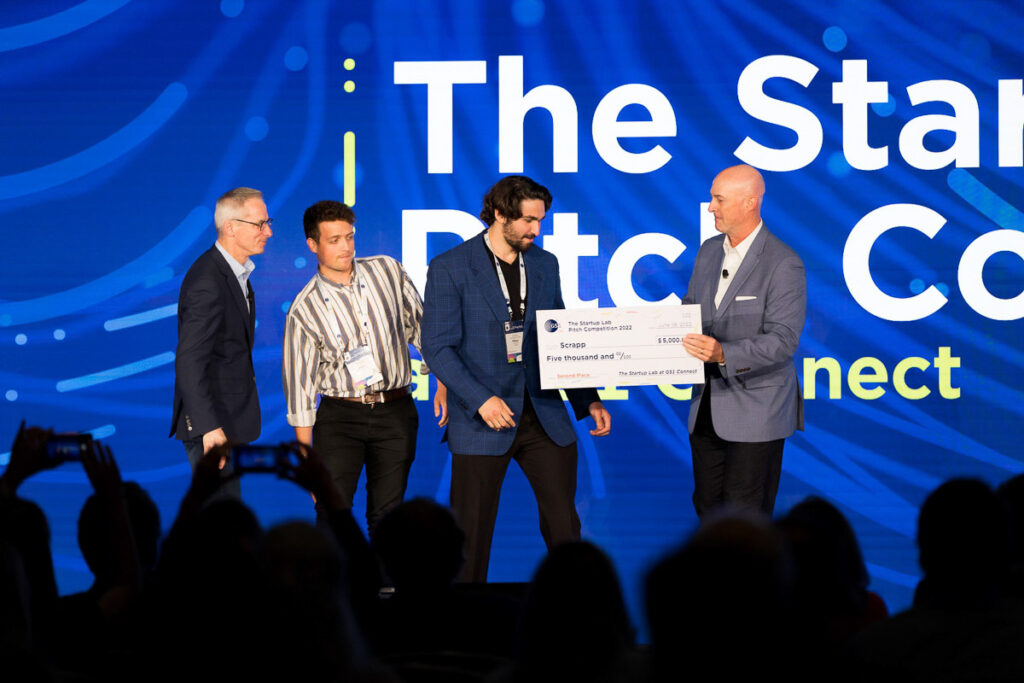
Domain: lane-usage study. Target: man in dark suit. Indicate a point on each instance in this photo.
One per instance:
(479, 337)
(215, 397)
(752, 290)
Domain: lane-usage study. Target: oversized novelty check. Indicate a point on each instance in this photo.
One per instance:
(617, 347)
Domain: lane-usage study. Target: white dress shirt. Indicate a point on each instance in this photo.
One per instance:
(242, 271)
(731, 263)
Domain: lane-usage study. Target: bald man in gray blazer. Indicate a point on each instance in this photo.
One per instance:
(752, 290)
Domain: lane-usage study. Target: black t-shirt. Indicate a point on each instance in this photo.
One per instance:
(510, 271)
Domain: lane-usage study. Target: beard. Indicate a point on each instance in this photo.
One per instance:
(517, 242)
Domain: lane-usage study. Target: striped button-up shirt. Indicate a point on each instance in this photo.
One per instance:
(326, 320)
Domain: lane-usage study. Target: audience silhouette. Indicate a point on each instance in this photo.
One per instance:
(1011, 493)
(831, 600)
(221, 599)
(963, 626)
(721, 605)
(429, 629)
(574, 623)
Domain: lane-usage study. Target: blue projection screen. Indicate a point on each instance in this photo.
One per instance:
(889, 133)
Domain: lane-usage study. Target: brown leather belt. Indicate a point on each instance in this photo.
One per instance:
(379, 397)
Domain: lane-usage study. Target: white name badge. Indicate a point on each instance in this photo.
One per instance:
(617, 347)
(514, 340)
(362, 367)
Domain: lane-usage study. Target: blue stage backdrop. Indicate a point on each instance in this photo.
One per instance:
(890, 136)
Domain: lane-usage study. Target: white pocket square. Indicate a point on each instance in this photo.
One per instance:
(740, 297)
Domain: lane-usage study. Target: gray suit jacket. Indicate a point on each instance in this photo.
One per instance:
(755, 396)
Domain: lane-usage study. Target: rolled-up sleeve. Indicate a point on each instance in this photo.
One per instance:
(300, 358)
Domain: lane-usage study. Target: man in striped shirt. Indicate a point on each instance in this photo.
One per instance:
(347, 339)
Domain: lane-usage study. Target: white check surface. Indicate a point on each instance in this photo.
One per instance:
(617, 347)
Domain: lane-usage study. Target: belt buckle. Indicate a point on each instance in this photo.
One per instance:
(369, 398)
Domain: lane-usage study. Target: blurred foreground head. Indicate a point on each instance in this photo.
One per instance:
(420, 544)
(963, 540)
(727, 591)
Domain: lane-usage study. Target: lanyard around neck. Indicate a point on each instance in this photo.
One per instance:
(504, 285)
(361, 306)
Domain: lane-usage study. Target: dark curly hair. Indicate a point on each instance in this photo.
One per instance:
(322, 212)
(507, 195)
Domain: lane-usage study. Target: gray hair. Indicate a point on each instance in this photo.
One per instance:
(230, 200)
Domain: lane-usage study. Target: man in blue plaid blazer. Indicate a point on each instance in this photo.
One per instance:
(479, 297)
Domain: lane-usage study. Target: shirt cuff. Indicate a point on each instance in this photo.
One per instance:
(303, 418)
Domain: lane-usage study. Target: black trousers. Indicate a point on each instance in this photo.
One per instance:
(735, 473)
(380, 436)
(476, 488)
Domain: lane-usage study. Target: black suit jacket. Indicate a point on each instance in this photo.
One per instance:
(214, 384)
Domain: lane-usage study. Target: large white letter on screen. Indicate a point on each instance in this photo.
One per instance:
(417, 223)
(439, 77)
(750, 91)
(707, 223)
(620, 266)
(972, 285)
(858, 273)
(855, 92)
(512, 108)
(965, 149)
(567, 244)
(1011, 122)
(607, 129)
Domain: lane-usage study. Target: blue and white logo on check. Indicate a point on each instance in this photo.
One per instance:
(550, 325)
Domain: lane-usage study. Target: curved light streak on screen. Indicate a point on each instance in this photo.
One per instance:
(102, 153)
(142, 318)
(111, 374)
(78, 298)
(57, 25)
(978, 195)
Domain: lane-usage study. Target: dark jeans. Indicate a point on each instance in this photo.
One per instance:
(382, 436)
(476, 487)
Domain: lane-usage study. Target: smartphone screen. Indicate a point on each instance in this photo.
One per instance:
(63, 447)
(253, 458)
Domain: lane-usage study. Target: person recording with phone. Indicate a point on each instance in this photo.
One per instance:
(302, 465)
(115, 561)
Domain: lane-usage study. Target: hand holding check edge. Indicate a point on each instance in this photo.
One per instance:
(703, 347)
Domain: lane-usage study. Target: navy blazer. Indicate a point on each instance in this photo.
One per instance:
(755, 396)
(464, 313)
(214, 381)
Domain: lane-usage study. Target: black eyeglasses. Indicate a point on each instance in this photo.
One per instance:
(259, 226)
